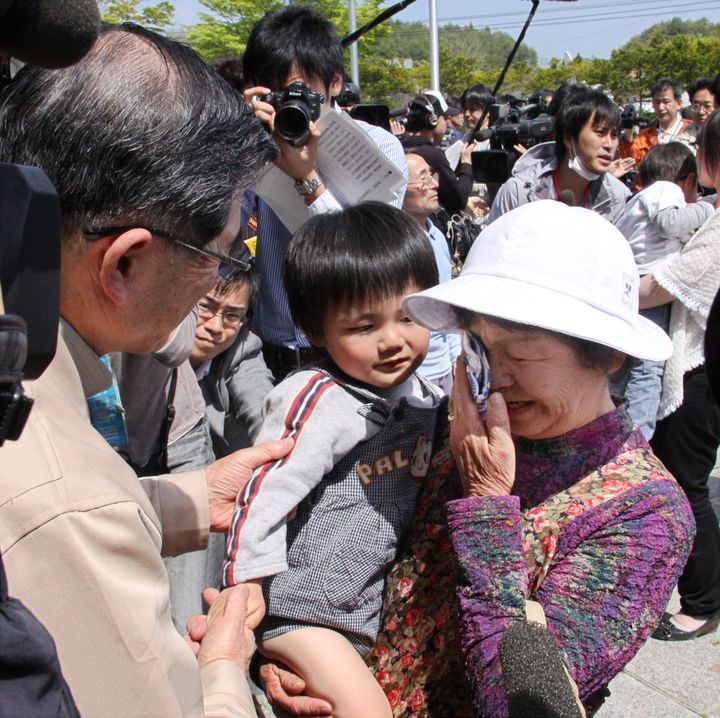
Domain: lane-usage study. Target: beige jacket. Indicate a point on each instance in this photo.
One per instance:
(82, 541)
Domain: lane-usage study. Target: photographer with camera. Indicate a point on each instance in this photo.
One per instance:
(150, 177)
(294, 68)
(575, 168)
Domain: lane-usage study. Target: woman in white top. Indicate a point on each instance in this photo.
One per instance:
(688, 435)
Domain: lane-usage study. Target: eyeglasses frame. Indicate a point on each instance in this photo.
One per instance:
(238, 265)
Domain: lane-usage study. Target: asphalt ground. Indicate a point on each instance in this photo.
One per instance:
(671, 680)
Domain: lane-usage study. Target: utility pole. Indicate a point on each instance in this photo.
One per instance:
(354, 67)
(434, 51)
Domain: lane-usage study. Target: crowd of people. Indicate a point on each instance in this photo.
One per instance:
(358, 464)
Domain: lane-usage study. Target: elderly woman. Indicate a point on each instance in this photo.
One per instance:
(553, 496)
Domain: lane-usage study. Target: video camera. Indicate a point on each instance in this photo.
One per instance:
(512, 123)
(295, 108)
(629, 118)
(30, 279)
(349, 95)
(54, 35)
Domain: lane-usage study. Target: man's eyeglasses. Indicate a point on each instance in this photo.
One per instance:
(707, 106)
(425, 181)
(228, 268)
(229, 319)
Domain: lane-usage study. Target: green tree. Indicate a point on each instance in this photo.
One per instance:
(387, 82)
(633, 68)
(486, 48)
(405, 40)
(158, 17)
(224, 30)
(676, 26)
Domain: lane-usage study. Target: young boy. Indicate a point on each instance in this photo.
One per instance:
(658, 221)
(363, 423)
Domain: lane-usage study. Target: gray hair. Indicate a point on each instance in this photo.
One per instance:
(141, 131)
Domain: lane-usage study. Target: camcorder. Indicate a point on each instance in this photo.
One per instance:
(30, 279)
(295, 108)
(349, 95)
(629, 118)
(511, 124)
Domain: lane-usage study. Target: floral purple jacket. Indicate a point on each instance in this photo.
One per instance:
(596, 530)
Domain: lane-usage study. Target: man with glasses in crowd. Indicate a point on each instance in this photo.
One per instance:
(703, 94)
(150, 176)
(228, 362)
(421, 203)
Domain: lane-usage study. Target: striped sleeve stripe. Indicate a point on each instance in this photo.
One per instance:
(296, 419)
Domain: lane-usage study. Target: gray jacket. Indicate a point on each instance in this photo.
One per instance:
(532, 179)
(359, 459)
(234, 391)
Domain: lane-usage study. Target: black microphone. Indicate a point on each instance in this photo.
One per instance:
(536, 681)
(482, 135)
(48, 33)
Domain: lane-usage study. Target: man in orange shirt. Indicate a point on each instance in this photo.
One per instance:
(667, 102)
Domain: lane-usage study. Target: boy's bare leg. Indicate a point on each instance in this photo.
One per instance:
(332, 669)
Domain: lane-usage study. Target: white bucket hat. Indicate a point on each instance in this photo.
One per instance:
(551, 266)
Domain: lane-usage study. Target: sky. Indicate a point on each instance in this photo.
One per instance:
(591, 28)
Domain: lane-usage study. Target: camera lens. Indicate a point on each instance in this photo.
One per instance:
(292, 121)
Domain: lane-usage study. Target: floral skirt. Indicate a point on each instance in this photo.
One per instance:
(416, 658)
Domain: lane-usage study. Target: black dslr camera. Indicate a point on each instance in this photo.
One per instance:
(295, 108)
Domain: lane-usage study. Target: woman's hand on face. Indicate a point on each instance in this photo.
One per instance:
(483, 450)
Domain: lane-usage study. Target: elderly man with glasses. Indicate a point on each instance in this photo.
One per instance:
(421, 203)
(150, 153)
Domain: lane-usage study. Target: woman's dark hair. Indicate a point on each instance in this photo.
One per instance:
(591, 355)
(560, 95)
(671, 162)
(140, 131)
(363, 253)
(580, 105)
(476, 97)
(294, 35)
(709, 143)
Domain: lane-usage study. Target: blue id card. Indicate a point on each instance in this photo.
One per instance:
(478, 370)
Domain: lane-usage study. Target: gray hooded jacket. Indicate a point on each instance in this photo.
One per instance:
(532, 179)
